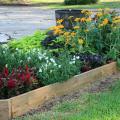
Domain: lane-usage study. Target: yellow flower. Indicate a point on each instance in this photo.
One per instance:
(80, 41)
(58, 32)
(60, 26)
(73, 34)
(67, 40)
(100, 9)
(100, 25)
(76, 27)
(59, 21)
(117, 17)
(77, 20)
(86, 30)
(116, 21)
(87, 12)
(52, 28)
(66, 33)
(83, 11)
(88, 20)
(105, 21)
(99, 14)
(57, 27)
(82, 19)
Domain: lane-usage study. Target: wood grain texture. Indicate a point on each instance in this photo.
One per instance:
(5, 110)
(23, 103)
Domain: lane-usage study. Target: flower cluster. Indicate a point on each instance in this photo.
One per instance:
(20, 78)
(58, 30)
(101, 22)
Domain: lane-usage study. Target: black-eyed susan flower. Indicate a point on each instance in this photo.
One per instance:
(105, 21)
(80, 41)
(77, 19)
(86, 30)
(76, 27)
(88, 19)
(59, 21)
(99, 14)
(73, 34)
(83, 19)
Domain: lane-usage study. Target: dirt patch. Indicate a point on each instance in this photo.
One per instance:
(97, 86)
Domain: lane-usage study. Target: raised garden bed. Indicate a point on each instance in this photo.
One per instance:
(16, 106)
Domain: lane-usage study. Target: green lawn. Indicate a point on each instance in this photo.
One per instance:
(94, 6)
(58, 4)
(90, 106)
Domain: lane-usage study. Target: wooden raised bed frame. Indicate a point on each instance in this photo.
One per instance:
(16, 106)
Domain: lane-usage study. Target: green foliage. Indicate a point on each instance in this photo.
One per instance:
(58, 69)
(100, 35)
(88, 41)
(48, 67)
(18, 58)
(28, 42)
(77, 2)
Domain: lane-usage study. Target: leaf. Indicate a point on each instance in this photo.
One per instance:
(118, 63)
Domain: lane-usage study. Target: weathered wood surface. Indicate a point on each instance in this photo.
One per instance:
(23, 103)
(5, 110)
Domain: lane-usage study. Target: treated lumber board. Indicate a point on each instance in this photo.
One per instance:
(33, 99)
(109, 69)
(5, 109)
(20, 104)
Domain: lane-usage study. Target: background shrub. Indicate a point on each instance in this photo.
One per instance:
(70, 2)
(75, 2)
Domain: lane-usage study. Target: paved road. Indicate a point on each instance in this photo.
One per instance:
(20, 21)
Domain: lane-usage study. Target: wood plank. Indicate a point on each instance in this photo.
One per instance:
(19, 104)
(109, 69)
(5, 110)
(23, 103)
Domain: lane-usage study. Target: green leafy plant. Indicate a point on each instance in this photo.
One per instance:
(59, 69)
(28, 42)
(97, 35)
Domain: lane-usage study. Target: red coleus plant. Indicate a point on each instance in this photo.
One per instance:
(1, 83)
(5, 71)
(19, 78)
(11, 84)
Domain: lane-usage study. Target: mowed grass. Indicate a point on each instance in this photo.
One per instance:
(112, 5)
(90, 106)
(59, 4)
